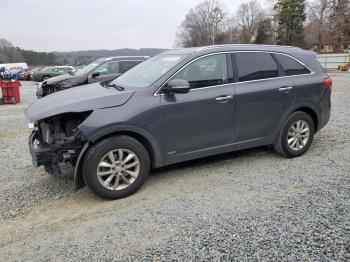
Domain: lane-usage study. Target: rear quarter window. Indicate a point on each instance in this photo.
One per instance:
(291, 66)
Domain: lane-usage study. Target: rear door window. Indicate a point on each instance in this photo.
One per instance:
(255, 66)
(207, 71)
(291, 66)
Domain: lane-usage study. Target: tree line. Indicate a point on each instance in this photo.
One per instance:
(289, 22)
(11, 54)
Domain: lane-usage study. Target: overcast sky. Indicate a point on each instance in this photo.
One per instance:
(47, 25)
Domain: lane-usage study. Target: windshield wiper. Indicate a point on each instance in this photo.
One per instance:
(119, 88)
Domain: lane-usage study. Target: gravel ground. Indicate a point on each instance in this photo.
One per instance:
(247, 205)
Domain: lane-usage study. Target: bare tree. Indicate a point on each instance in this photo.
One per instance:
(215, 17)
(209, 23)
(249, 15)
(202, 25)
(340, 20)
(318, 13)
(232, 32)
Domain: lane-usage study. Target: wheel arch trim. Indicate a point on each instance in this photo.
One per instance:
(157, 160)
(304, 107)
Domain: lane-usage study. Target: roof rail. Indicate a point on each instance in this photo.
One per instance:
(125, 56)
(243, 45)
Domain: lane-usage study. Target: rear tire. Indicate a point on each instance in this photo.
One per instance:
(105, 167)
(296, 135)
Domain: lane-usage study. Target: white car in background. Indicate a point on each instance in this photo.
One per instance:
(13, 68)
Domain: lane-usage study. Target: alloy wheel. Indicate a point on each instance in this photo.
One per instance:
(118, 169)
(298, 135)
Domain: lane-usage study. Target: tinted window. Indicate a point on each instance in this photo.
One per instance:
(254, 66)
(291, 66)
(207, 71)
(63, 70)
(126, 65)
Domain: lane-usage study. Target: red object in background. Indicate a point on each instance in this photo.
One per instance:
(25, 75)
(10, 92)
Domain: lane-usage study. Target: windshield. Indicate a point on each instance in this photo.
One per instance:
(147, 72)
(86, 69)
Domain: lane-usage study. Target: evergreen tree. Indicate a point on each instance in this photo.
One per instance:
(264, 33)
(39, 58)
(290, 17)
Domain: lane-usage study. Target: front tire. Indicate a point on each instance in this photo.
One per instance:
(44, 78)
(116, 167)
(296, 135)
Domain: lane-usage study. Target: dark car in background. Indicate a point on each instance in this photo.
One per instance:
(103, 69)
(181, 105)
(27, 74)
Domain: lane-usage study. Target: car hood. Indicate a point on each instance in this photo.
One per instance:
(78, 99)
(65, 81)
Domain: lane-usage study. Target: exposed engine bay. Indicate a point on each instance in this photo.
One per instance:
(57, 141)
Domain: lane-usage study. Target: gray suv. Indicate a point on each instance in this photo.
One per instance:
(177, 106)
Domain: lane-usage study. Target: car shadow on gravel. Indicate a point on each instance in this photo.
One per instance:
(68, 171)
(216, 159)
(43, 187)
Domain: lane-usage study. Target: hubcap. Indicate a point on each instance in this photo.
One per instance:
(118, 169)
(298, 135)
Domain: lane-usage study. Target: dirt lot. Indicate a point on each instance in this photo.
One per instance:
(247, 205)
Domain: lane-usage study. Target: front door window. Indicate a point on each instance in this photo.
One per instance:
(207, 71)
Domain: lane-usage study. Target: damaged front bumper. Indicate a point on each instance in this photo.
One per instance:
(52, 156)
(40, 153)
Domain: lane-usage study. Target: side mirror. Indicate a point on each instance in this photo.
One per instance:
(176, 86)
(95, 74)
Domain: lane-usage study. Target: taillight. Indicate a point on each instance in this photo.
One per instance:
(328, 83)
